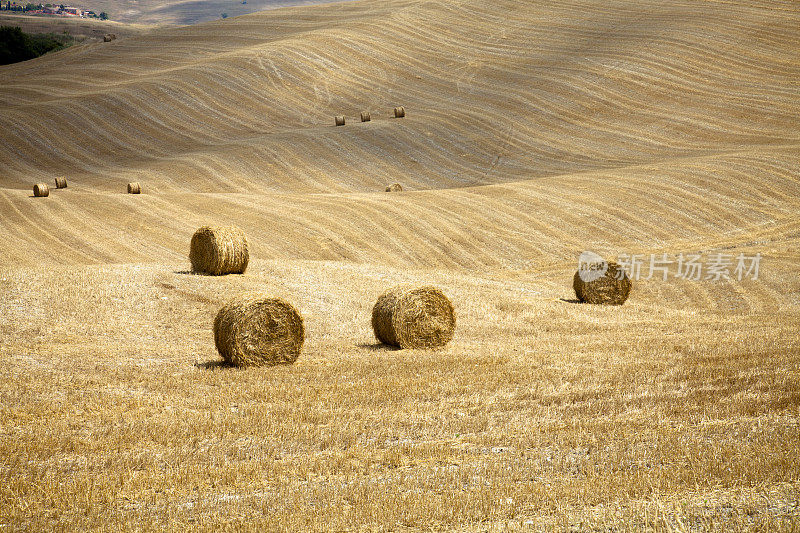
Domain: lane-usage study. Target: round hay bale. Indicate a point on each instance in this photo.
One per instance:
(414, 317)
(399, 112)
(219, 250)
(134, 188)
(339, 120)
(40, 190)
(394, 187)
(256, 330)
(108, 37)
(609, 286)
(365, 116)
(61, 183)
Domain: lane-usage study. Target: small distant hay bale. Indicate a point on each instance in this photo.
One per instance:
(219, 250)
(108, 37)
(256, 330)
(339, 120)
(365, 116)
(61, 182)
(399, 112)
(413, 317)
(134, 188)
(394, 187)
(611, 287)
(40, 190)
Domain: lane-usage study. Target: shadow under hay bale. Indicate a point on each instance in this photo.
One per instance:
(219, 250)
(256, 330)
(611, 287)
(339, 120)
(394, 187)
(61, 183)
(399, 112)
(413, 317)
(134, 188)
(365, 116)
(41, 190)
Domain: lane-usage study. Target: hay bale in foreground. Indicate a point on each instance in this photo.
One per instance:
(399, 112)
(413, 317)
(61, 182)
(339, 120)
(108, 37)
(134, 188)
(219, 250)
(610, 288)
(256, 330)
(365, 116)
(394, 187)
(40, 190)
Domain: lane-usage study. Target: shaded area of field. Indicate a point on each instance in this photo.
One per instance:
(76, 28)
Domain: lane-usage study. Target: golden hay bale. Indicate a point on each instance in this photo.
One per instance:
(339, 120)
(134, 188)
(219, 250)
(41, 190)
(394, 187)
(365, 116)
(256, 330)
(611, 287)
(399, 112)
(413, 317)
(108, 37)
(61, 183)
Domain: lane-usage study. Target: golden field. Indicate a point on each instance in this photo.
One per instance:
(534, 131)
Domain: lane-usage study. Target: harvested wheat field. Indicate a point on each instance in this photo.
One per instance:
(534, 131)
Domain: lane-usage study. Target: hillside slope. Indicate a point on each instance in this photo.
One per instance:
(648, 119)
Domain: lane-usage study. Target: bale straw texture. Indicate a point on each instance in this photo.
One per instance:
(134, 188)
(399, 112)
(607, 289)
(339, 120)
(61, 183)
(219, 250)
(394, 187)
(413, 317)
(365, 116)
(108, 37)
(41, 190)
(256, 330)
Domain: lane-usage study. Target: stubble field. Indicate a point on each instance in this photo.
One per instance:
(533, 132)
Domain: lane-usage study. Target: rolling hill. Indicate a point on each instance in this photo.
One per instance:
(534, 131)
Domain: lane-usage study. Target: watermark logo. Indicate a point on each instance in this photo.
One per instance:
(691, 267)
(591, 266)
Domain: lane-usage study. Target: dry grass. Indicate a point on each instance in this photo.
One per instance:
(539, 410)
